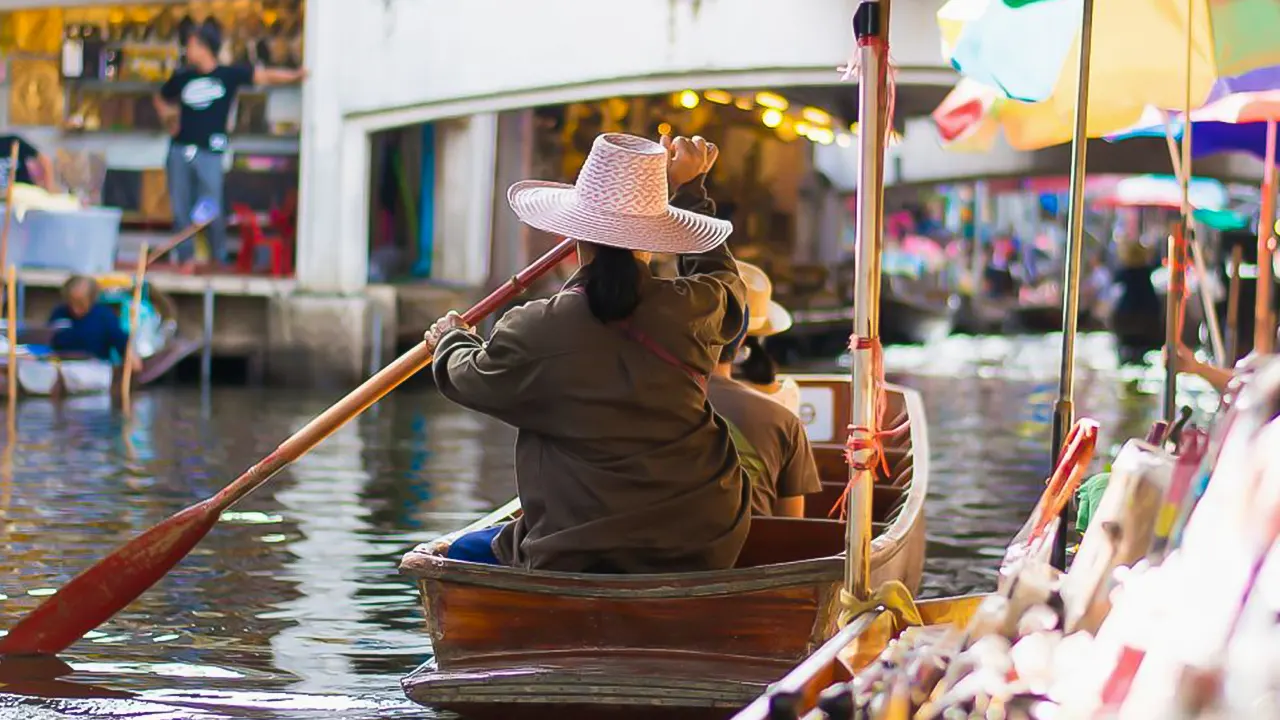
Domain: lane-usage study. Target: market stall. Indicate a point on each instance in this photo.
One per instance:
(81, 82)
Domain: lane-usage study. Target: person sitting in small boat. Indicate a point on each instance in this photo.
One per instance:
(621, 464)
(1137, 314)
(757, 368)
(772, 445)
(85, 327)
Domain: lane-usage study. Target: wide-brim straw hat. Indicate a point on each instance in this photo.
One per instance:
(765, 317)
(620, 200)
(1133, 253)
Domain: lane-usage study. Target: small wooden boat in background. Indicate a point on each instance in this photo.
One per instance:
(511, 642)
(41, 373)
(905, 320)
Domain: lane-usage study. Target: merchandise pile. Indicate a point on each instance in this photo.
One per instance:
(1171, 608)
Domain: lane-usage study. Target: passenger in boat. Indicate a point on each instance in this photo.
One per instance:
(1136, 316)
(83, 326)
(621, 464)
(771, 441)
(756, 367)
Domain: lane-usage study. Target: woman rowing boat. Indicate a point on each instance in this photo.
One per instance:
(621, 464)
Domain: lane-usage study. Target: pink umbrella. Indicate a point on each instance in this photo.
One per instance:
(924, 248)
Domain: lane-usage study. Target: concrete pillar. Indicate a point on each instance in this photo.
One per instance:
(465, 197)
(333, 241)
(318, 334)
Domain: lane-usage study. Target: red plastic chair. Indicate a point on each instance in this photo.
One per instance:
(252, 237)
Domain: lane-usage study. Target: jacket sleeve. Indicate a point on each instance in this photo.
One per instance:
(710, 280)
(501, 378)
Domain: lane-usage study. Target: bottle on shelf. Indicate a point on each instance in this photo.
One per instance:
(73, 52)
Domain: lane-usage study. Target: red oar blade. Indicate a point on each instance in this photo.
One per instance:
(93, 596)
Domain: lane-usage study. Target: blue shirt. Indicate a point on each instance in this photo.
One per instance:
(99, 333)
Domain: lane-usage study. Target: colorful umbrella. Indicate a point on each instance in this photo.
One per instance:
(1234, 120)
(973, 115)
(1158, 191)
(1241, 116)
(1027, 48)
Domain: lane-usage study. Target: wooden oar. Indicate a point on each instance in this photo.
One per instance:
(201, 215)
(101, 591)
(184, 235)
(135, 310)
(8, 204)
(1233, 306)
(11, 330)
(10, 274)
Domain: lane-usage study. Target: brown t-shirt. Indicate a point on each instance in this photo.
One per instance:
(777, 437)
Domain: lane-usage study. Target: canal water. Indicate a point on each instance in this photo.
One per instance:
(292, 607)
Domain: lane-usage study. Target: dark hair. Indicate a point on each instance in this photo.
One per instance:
(81, 281)
(729, 351)
(613, 283)
(209, 33)
(759, 368)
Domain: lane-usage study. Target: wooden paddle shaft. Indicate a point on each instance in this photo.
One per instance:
(11, 302)
(135, 313)
(8, 204)
(184, 235)
(376, 387)
(1233, 306)
(104, 588)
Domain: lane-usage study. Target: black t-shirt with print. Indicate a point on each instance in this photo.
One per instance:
(26, 153)
(204, 101)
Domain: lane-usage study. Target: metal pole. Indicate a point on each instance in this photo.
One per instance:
(206, 351)
(22, 299)
(1064, 409)
(871, 28)
(1177, 253)
(1263, 327)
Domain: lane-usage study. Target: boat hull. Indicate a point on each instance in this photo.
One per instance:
(511, 642)
(824, 333)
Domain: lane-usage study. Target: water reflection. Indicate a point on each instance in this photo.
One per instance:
(292, 608)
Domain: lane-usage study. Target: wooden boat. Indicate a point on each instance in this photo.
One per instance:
(513, 642)
(44, 374)
(905, 320)
(985, 316)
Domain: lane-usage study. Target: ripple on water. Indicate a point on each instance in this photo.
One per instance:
(291, 608)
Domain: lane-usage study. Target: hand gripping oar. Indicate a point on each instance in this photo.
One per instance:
(101, 591)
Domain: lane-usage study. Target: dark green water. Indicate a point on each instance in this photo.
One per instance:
(292, 607)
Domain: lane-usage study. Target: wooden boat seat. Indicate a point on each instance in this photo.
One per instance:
(775, 540)
(772, 540)
(831, 464)
(886, 502)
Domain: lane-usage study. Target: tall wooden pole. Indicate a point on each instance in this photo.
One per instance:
(1264, 325)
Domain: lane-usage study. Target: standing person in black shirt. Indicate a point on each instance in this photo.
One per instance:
(29, 159)
(195, 104)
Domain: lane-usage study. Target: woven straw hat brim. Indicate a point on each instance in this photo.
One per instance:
(554, 207)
